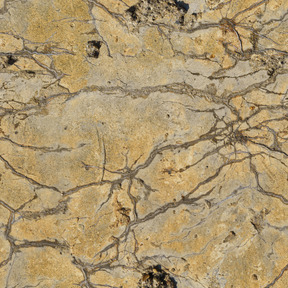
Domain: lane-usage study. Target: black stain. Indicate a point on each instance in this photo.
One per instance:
(93, 48)
(145, 9)
(182, 5)
(11, 60)
(156, 277)
(132, 12)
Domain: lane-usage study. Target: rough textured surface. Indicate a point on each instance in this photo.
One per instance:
(144, 143)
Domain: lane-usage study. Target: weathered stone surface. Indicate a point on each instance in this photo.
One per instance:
(144, 143)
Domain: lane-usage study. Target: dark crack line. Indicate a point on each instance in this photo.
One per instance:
(41, 243)
(36, 148)
(278, 277)
(30, 180)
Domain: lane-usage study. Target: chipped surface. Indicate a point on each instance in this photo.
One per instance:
(143, 143)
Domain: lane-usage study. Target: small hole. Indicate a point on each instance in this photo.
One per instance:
(11, 60)
(132, 11)
(30, 72)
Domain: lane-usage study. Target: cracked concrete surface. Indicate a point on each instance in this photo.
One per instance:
(144, 143)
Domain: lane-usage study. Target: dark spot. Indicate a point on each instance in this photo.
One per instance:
(11, 60)
(141, 181)
(169, 171)
(182, 5)
(257, 223)
(181, 20)
(168, 115)
(132, 12)
(254, 277)
(30, 72)
(270, 72)
(230, 237)
(239, 137)
(156, 277)
(65, 128)
(93, 48)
